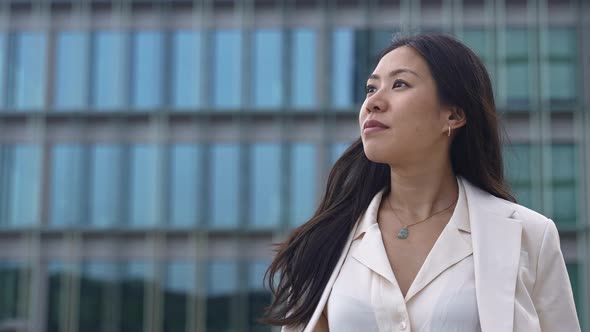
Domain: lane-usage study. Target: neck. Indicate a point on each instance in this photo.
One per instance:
(421, 191)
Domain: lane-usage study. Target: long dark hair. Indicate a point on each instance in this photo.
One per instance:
(304, 262)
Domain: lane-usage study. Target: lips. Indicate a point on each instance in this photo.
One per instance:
(374, 124)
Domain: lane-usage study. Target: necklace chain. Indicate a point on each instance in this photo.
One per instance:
(423, 220)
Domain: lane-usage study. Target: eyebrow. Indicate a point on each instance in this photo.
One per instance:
(394, 73)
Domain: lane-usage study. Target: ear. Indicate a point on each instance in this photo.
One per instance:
(454, 117)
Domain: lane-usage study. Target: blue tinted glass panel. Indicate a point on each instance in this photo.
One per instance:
(517, 42)
(66, 185)
(517, 167)
(380, 39)
(13, 276)
(562, 81)
(517, 81)
(303, 182)
(343, 67)
(134, 297)
(179, 287)
(476, 40)
(563, 178)
(225, 169)
(304, 69)
(265, 185)
(186, 183)
(20, 171)
(227, 74)
(268, 69)
(71, 65)
(222, 290)
(258, 297)
(3, 69)
(108, 70)
(28, 70)
(105, 180)
(147, 69)
(562, 42)
(186, 70)
(144, 177)
(337, 151)
(97, 290)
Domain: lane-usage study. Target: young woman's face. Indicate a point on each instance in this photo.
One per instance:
(402, 96)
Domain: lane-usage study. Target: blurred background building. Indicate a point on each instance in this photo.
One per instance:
(152, 151)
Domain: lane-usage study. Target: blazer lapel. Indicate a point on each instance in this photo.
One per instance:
(496, 252)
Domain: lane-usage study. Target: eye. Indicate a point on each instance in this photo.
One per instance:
(399, 84)
(370, 89)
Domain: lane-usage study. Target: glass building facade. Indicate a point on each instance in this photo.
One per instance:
(152, 151)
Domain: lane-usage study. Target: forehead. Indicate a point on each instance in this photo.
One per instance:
(402, 57)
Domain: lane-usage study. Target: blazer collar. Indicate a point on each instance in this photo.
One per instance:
(496, 240)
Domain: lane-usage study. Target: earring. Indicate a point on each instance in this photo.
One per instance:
(449, 133)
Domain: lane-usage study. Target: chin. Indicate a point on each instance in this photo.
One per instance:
(376, 153)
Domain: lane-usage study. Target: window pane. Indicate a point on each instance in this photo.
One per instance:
(563, 178)
(28, 69)
(144, 177)
(268, 68)
(222, 290)
(337, 151)
(517, 42)
(20, 170)
(186, 69)
(227, 75)
(106, 177)
(258, 297)
(517, 82)
(135, 281)
(3, 69)
(147, 69)
(97, 301)
(179, 289)
(477, 41)
(517, 166)
(577, 288)
(303, 182)
(13, 278)
(186, 183)
(562, 42)
(224, 185)
(109, 70)
(562, 82)
(57, 304)
(66, 181)
(71, 65)
(343, 62)
(265, 185)
(304, 69)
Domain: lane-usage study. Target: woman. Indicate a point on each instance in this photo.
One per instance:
(417, 230)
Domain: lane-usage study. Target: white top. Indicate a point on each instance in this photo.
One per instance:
(441, 298)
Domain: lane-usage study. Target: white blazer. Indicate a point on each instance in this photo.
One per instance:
(520, 276)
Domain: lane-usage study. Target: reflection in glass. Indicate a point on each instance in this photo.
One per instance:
(70, 68)
(517, 69)
(179, 289)
(66, 185)
(343, 58)
(108, 88)
(186, 71)
(186, 183)
(27, 71)
(105, 179)
(224, 185)
(304, 68)
(97, 301)
(268, 68)
(265, 185)
(143, 184)
(58, 274)
(227, 74)
(20, 173)
(258, 297)
(147, 69)
(135, 281)
(222, 291)
(12, 282)
(303, 182)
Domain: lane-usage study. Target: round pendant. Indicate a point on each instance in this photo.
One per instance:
(403, 233)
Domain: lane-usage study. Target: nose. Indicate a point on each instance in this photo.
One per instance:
(375, 104)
